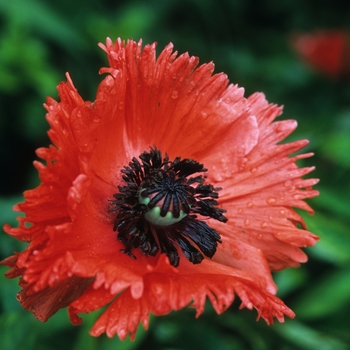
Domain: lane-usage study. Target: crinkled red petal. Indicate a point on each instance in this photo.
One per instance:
(167, 289)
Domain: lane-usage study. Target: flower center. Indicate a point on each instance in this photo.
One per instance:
(158, 208)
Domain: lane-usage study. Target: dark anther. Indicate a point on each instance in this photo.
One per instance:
(158, 205)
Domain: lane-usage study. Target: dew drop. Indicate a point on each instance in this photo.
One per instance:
(250, 204)
(174, 94)
(282, 211)
(120, 105)
(217, 176)
(297, 196)
(109, 81)
(96, 119)
(253, 170)
(246, 222)
(249, 305)
(263, 224)
(288, 183)
(122, 333)
(291, 189)
(240, 210)
(271, 200)
(259, 236)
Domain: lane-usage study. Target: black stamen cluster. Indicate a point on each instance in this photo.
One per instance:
(169, 186)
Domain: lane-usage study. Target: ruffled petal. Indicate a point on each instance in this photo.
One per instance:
(167, 289)
(46, 302)
(165, 97)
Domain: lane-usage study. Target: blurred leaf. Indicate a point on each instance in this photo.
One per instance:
(326, 296)
(128, 22)
(16, 331)
(38, 16)
(7, 215)
(32, 120)
(335, 202)
(288, 280)
(335, 239)
(9, 302)
(24, 59)
(336, 146)
(307, 338)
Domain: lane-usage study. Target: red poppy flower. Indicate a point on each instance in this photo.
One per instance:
(327, 51)
(169, 188)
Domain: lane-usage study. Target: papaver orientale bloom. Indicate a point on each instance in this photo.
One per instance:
(168, 189)
(327, 51)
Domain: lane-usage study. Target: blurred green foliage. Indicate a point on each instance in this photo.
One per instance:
(248, 40)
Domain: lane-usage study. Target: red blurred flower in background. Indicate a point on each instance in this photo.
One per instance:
(169, 188)
(327, 51)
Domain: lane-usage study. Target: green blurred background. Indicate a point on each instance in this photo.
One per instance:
(250, 41)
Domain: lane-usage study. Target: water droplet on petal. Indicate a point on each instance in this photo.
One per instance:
(271, 200)
(297, 196)
(246, 222)
(249, 305)
(282, 211)
(174, 94)
(217, 176)
(250, 204)
(259, 236)
(109, 81)
(263, 224)
(120, 105)
(253, 170)
(240, 210)
(288, 183)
